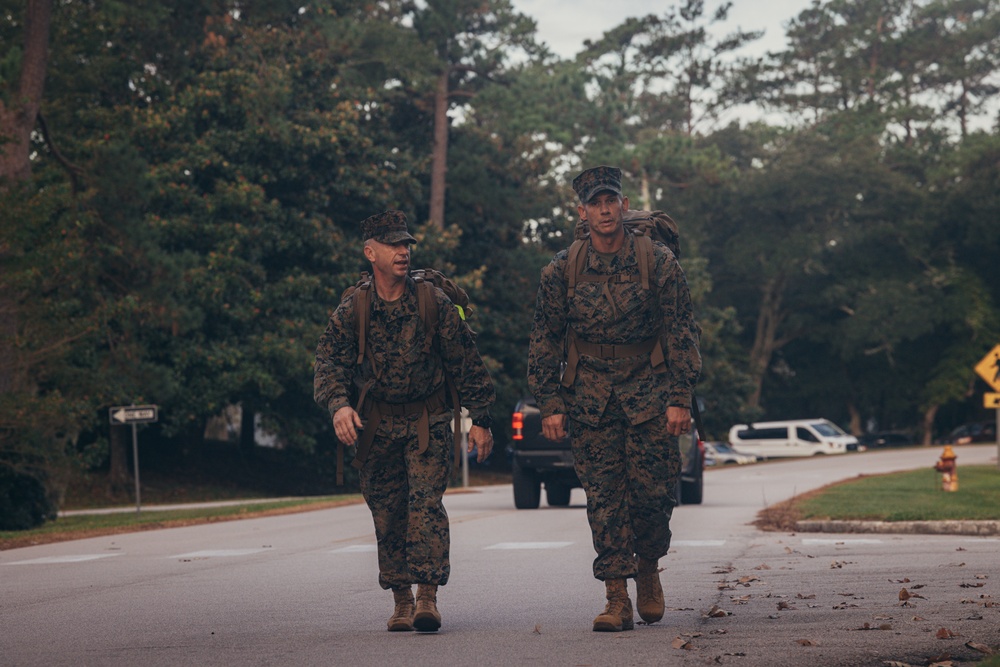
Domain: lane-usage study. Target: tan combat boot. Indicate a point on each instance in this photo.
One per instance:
(402, 616)
(649, 596)
(617, 614)
(427, 618)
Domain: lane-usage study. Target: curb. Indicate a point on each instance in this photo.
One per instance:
(979, 528)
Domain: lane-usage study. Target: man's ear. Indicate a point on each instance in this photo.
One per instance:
(369, 253)
(624, 204)
(581, 211)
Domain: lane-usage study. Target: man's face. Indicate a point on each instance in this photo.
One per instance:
(389, 259)
(604, 213)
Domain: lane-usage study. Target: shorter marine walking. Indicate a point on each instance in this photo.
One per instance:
(385, 389)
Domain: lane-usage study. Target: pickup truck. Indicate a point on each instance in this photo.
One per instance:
(537, 461)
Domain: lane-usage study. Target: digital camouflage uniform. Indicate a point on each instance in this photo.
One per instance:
(402, 486)
(627, 462)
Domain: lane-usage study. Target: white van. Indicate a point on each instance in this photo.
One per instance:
(799, 437)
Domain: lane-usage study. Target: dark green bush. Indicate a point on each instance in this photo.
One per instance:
(24, 501)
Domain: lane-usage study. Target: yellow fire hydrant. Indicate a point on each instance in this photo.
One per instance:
(948, 468)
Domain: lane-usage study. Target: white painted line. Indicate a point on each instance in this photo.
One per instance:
(48, 560)
(696, 543)
(529, 545)
(219, 553)
(356, 549)
(816, 541)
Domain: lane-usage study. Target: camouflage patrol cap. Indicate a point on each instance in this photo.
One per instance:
(598, 179)
(387, 227)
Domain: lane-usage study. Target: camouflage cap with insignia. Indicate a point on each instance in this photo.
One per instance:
(388, 227)
(598, 179)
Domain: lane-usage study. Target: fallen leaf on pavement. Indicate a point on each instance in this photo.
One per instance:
(742, 599)
(763, 566)
(715, 612)
(982, 648)
(800, 596)
(681, 643)
(806, 642)
(966, 585)
(904, 595)
(945, 633)
(785, 605)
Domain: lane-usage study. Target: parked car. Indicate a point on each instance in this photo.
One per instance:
(886, 439)
(797, 437)
(538, 461)
(720, 454)
(973, 432)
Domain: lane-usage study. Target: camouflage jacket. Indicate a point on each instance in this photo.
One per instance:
(632, 315)
(396, 341)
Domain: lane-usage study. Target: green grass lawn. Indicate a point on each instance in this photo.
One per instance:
(907, 496)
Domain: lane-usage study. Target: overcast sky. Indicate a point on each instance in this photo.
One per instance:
(565, 24)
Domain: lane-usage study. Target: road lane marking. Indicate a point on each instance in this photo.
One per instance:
(48, 560)
(817, 541)
(356, 549)
(529, 545)
(219, 553)
(697, 543)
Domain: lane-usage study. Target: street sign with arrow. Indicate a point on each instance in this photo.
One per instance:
(134, 414)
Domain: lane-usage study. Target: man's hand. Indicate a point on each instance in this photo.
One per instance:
(678, 420)
(346, 423)
(482, 440)
(554, 427)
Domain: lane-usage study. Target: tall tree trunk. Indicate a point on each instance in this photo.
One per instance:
(18, 120)
(118, 474)
(855, 426)
(928, 426)
(766, 338)
(248, 440)
(439, 158)
(645, 198)
(16, 124)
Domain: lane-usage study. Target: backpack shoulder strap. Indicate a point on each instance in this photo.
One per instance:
(361, 302)
(644, 256)
(574, 265)
(427, 305)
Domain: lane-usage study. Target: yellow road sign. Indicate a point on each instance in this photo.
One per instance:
(989, 368)
(991, 400)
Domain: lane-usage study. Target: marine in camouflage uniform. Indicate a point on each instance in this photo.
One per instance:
(404, 476)
(624, 414)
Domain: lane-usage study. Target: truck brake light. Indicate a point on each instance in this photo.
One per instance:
(517, 425)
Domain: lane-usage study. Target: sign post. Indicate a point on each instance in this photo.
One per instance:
(988, 368)
(134, 414)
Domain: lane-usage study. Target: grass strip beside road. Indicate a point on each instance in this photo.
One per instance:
(80, 526)
(914, 495)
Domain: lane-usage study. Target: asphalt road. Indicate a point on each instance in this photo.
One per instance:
(301, 589)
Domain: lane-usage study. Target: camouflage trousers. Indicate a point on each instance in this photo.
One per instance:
(628, 472)
(404, 490)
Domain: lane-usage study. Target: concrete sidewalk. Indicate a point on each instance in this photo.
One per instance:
(977, 528)
(180, 506)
